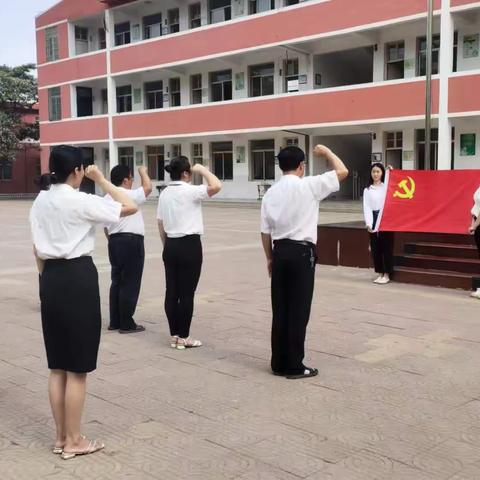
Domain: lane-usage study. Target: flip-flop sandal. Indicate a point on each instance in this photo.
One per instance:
(309, 372)
(93, 446)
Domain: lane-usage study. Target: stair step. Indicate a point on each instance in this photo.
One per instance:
(449, 250)
(453, 264)
(433, 277)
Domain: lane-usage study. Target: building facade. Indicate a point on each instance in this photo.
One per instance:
(230, 82)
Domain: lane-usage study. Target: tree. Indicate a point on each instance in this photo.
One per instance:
(18, 94)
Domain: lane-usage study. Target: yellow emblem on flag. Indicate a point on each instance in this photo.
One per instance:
(407, 187)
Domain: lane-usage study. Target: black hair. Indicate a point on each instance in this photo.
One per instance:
(64, 159)
(177, 166)
(119, 173)
(43, 181)
(290, 158)
(381, 167)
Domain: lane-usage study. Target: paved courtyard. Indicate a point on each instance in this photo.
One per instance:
(397, 397)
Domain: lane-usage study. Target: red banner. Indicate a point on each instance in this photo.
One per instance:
(429, 201)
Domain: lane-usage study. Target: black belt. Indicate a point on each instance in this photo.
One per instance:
(125, 234)
(288, 241)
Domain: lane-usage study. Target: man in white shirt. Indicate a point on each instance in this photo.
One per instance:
(127, 252)
(289, 220)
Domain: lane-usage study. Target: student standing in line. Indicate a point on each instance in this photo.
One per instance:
(180, 225)
(289, 221)
(126, 251)
(475, 231)
(63, 223)
(381, 243)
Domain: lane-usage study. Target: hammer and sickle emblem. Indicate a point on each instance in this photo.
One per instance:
(407, 190)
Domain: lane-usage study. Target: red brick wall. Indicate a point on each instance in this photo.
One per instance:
(25, 172)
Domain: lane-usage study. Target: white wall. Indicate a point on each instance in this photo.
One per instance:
(465, 127)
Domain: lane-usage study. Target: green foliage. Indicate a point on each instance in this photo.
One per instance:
(18, 93)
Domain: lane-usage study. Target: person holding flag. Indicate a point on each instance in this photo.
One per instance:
(475, 231)
(381, 243)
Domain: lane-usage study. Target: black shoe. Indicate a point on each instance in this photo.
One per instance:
(136, 329)
(110, 327)
(279, 374)
(308, 372)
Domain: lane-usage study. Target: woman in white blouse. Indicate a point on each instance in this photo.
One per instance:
(63, 223)
(180, 224)
(475, 231)
(381, 243)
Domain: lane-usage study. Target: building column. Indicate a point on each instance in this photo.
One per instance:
(111, 89)
(446, 65)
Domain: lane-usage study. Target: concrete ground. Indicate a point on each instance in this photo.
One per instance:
(397, 397)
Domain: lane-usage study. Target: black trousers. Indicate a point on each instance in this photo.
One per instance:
(127, 257)
(381, 246)
(293, 276)
(183, 264)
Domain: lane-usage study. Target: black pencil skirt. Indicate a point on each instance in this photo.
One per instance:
(71, 317)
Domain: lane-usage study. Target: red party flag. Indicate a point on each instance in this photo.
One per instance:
(429, 200)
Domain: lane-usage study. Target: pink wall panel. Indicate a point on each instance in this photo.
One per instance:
(461, 94)
(44, 158)
(385, 101)
(41, 54)
(70, 9)
(66, 101)
(74, 69)
(62, 30)
(74, 131)
(43, 105)
(457, 3)
(281, 26)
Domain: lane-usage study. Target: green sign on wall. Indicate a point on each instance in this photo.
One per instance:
(468, 144)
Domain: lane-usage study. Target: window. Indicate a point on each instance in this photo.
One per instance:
(54, 104)
(6, 170)
(291, 2)
(291, 75)
(422, 55)
(175, 99)
(196, 88)
(221, 85)
(154, 95)
(51, 44)
(102, 39)
(124, 99)
(394, 149)
(156, 162)
(394, 60)
(261, 80)
(220, 10)
(197, 153)
(263, 160)
(291, 142)
(174, 20)
(195, 15)
(222, 158)
(176, 150)
(122, 33)
(455, 51)
(420, 149)
(81, 40)
(125, 157)
(257, 6)
(104, 101)
(152, 26)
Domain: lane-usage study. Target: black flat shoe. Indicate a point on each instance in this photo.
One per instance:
(279, 374)
(112, 328)
(308, 372)
(137, 329)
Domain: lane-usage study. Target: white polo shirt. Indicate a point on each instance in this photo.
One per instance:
(133, 223)
(180, 209)
(63, 221)
(290, 207)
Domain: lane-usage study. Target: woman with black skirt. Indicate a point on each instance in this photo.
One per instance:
(381, 243)
(63, 223)
(180, 225)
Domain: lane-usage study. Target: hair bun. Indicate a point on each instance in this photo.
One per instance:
(53, 178)
(168, 168)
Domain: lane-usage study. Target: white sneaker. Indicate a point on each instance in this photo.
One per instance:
(378, 280)
(383, 280)
(475, 294)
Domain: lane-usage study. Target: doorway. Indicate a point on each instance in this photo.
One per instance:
(84, 102)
